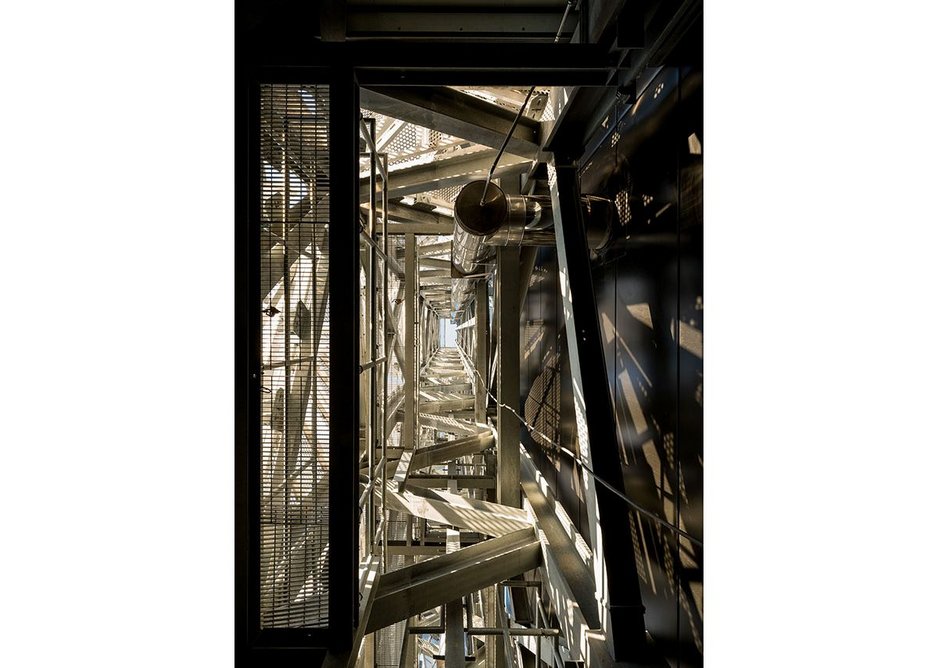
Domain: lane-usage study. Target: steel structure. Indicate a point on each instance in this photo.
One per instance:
(461, 443)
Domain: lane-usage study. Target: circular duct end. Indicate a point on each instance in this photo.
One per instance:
(476, 218)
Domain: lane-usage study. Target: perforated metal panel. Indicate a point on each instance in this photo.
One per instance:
(294, 289)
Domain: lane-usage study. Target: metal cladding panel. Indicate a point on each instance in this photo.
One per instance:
(295, 407)
(649, 291)
(654, 319)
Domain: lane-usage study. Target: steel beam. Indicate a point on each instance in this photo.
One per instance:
(441, 481)
(400, 213)
(448, 450)
(509, 368)
(447, 405)
(454, 113)
(539, 23)
(455, 637)
(443, 247)
(569, 580)
(449, 425)
(488, 62)
(436, 273)
(584, 110)
(488, 631)
(446, 173)
(400, 229)
(435, 262)
(436, 281)
(410, 342)
(614, 564)
(370, 380)
(416, 550)
(411, 590)
(480, 381)
(490, 519)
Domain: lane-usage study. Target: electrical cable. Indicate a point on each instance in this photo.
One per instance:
(514, 124)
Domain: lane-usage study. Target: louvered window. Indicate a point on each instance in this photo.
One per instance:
(294, 292)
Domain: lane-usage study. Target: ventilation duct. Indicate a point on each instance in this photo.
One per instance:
(513, 220)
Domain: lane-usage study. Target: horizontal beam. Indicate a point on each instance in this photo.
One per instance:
(436, 273)
(490, 519)
(398, 229)
(455, 171)
(488, 631)
(411, 590)
(435, 262)
(415, 550)
(453, 387)
(448, 425)
(427, 281)
(454, 113)
(432, 481)
(409, 214)
(440, 248)
(543, 64)
(452, 24)
(394, 403)
(446, 451)
(447, 405)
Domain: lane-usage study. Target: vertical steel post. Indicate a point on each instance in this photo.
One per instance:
(614, 563)
(537, 625)
(388, 314)
(455, 651)
(509, 368)
(371, 339)
(344, 263)
(481, 349)
(408, 649)
(410, 318)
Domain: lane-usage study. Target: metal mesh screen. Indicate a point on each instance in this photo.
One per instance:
(294, 290)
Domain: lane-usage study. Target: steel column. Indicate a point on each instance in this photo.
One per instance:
(481, 349)
(509, 368)
(343, 363)
(371, 320)
(455, 637)
(614, 563)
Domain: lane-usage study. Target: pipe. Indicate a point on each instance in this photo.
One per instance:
(516, 220)
(512, 220)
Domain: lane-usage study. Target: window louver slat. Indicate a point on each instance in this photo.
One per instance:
(294, 293)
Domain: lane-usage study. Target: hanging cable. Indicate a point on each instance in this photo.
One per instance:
(514, 124)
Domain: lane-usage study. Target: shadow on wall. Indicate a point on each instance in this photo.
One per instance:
(649, 290)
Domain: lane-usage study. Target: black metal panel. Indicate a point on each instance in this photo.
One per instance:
(652, 277)
(344, 395)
